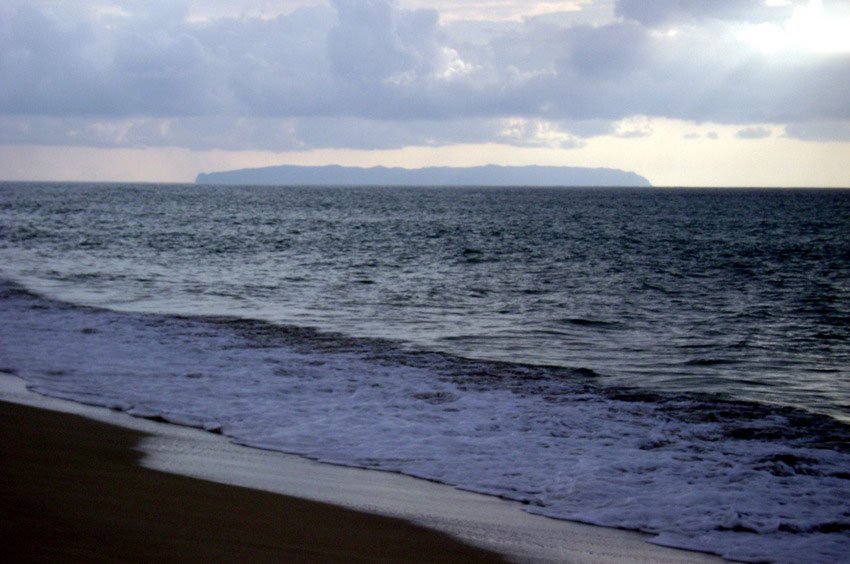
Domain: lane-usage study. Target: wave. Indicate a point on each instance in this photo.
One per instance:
(710, 361)
(595, 323)
(747, 481)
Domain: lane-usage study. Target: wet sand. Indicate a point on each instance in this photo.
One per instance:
(72, 490)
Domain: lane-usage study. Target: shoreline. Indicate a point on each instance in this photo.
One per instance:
(494, 525)
(73, 490)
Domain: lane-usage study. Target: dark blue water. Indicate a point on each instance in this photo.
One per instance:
(709, 329)
(745, 293)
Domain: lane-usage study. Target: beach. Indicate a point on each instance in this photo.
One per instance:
(81, 489)
(73, 491)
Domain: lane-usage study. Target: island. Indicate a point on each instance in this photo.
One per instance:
(489, 175)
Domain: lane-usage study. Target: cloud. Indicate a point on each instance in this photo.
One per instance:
(373, 42)
(153, 62)
(289, 134)
(660, 12)
(693, 135)
(374, 73)
(633, 128)
(499, 10)
(822, 131)
(753, 133)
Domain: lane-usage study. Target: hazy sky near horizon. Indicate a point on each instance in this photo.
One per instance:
(684, 92)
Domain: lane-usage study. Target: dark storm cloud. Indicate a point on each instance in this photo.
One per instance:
(322, 76)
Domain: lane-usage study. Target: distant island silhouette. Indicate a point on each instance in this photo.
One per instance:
(490, 175)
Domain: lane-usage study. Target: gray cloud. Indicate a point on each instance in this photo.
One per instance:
(286, 134)
(373, 41)
(368, 74)
(819, 130)
(753, 133)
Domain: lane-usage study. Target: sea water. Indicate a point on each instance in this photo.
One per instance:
(672, 361)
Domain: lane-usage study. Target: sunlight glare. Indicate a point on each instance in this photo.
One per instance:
(811, 28)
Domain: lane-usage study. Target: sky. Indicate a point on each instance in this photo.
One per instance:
(683, 92)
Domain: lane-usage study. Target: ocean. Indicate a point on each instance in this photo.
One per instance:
(675, 361)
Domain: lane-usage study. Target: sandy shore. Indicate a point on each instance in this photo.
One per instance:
(123, 488)
(73, 491)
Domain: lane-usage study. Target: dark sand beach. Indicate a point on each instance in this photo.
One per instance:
(72, 491)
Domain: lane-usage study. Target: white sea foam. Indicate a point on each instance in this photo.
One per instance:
(565, 449)
(481, 520)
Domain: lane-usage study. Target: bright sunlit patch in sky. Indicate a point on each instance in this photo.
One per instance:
(811, 28)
